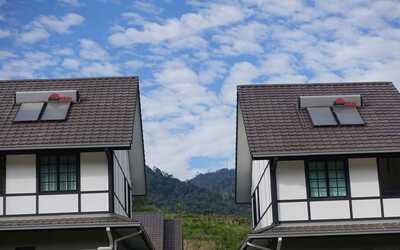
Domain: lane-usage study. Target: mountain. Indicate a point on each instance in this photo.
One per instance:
(222, 182)
(211, 193)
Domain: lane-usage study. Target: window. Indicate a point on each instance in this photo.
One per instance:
(58, 172)
(327, 179)
(389, 172)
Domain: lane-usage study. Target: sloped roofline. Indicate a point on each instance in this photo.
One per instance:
(310, 83)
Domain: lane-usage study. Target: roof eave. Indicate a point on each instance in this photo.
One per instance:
(66, 146)
(268, 155)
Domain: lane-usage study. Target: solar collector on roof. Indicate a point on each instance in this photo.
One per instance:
(321, 116)
(348, 115)
(29, 111)
(56, 111)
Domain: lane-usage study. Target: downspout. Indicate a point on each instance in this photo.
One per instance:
(110, 241)
(126, 237)
(257, 246)
(115, 242)
(279, 244)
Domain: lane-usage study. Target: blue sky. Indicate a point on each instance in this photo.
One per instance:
(190, 55)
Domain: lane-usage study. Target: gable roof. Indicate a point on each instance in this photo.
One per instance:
(104, 117)
(275, 126)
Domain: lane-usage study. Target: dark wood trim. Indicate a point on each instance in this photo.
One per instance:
(126, 184)
(68, 213)
(4, 161)
(330, 156)
(380, 185)
(348, 188)
(110, 161)
(274, 192)
(59, 150)
(348, 198)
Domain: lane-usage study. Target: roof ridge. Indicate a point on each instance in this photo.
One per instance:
(311, 83)
(69, 79)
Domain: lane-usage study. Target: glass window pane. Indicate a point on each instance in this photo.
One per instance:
(48, 173)
(327, 179)
(68, 172)
(321, 116)
(29, 112)
(56, 111)
(348, 115)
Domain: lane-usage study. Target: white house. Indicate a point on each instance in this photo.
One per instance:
(320, 164)
(71, 161)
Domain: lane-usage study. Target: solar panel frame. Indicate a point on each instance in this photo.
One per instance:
(29, 111)
(348, 116)
(322, 116)
(56, 111)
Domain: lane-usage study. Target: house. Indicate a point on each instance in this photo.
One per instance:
(320, 164)
(71, 162)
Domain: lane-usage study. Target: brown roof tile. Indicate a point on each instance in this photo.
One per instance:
(104, 116)
(153, 223)
(276, 126)
(64, 221)
(340, 228)
(173, 235)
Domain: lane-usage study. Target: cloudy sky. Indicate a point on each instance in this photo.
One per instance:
(191, 55)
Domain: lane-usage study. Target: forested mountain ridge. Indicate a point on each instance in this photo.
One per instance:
(204, 194)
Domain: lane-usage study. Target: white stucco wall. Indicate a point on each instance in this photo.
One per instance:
(327, 210)
(20, 174)
(363, 174)
(391, 207)
(243, 163)
(366, 208)
(94, 202)
(60, 203)
(94, 171)
(291, 180)
(16, 205)
(292, 211)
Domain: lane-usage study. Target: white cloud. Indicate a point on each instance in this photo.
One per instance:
(182, 112)
(191, 42)
(74, 3)
(70, 63)
(187, 25)
(35, 35)
(134, 18)
(100, 69)
(4, 33)
(240, 73)
(63, 51)
(91, 50)
(6, 54)
(27, 67)
(134, 64)
(39, 29)
(147, 7)
(63, 24)
(242, 39)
